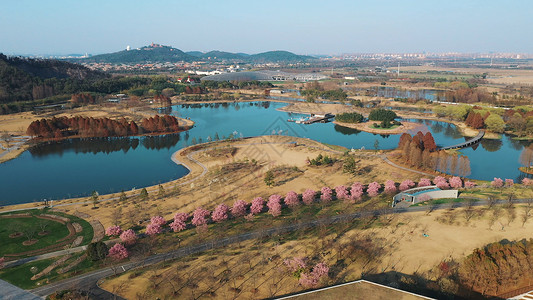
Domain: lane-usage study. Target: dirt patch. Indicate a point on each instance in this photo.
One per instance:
(15, 235)
(30, 242)
(77, 227)
(51, 267)
(43, 233)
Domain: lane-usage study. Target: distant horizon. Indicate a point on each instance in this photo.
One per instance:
(310, 54)
(61, 27)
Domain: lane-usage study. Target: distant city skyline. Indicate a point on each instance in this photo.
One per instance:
(304, 27)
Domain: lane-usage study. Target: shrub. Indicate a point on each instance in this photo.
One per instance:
(97, 251)
(380, 114)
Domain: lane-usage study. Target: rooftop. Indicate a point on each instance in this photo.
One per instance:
(360, 289)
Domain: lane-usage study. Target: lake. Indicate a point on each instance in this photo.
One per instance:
(76, 167)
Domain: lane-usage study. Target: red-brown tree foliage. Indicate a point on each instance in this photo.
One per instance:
(100, 127)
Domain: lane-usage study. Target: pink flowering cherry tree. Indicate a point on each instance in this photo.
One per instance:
(456, 182)
(424, 182)
(325, 196)
(179, 222)
(342, 193)
(497, 182)
(509, 182)
(295, 264)
(113, 231)
(441, 182)
(291, 200)
(153, 229)
(239, 208)
(199, 217)
(390, 187)
(406, 184)
(118, 252)
(257, 205)
(128, 237)
(373, 189)
(158, 220)
(357, 191)
(308, 197)
(220, 213)
(274, 205)
(313, 278)
(470, 184)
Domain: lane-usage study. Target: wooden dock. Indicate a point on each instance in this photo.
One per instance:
(315, 118)
(468, 143)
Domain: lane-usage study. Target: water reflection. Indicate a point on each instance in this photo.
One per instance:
(491, 145)
(346, 130)
(105, 145)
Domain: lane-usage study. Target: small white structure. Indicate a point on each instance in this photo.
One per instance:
(421, 194)
(276, 92)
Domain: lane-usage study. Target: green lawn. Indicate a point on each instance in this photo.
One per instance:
(56, 231)
(21, 275)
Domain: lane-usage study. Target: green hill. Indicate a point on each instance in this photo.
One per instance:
(195, 53)
(25, 79)
(153, 53)
(278, 56)
(221, 55)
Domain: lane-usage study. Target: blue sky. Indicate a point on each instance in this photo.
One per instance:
(304, 27)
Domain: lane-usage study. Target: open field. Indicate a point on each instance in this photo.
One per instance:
(395, 129)
(495, 76)
(407, 243)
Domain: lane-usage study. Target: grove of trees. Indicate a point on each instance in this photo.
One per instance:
(101, 127)
(352, 117)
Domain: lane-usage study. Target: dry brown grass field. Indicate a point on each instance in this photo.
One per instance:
(407, 243)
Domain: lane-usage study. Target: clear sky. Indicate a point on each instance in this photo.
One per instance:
(251, 26)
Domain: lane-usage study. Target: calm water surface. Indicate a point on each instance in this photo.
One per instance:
(76, 167)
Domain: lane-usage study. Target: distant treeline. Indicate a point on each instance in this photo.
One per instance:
(101, 127)
(252, 84)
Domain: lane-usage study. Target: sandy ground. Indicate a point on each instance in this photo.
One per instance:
(366, 126)
(414, 242)
(245, 183)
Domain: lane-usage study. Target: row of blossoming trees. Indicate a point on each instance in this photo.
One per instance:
(274, 204)
(100, 127)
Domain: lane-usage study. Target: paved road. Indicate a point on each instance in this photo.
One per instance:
(89, 281)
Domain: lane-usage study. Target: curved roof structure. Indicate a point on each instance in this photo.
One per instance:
(265, 75)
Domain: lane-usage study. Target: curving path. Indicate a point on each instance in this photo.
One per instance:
(386, 159)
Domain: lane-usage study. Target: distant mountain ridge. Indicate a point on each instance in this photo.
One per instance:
(159, 53)
(152, 53)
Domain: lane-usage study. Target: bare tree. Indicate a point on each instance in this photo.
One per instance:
(29, 232)
(491, 201)
(527, 211)
(116, 215)
(42, 225)
(469, 210)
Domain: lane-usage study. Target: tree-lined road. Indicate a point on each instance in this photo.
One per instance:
(88, 282)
